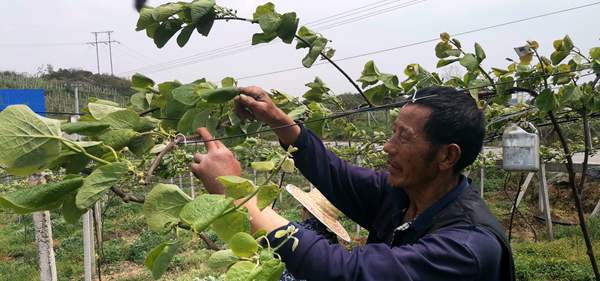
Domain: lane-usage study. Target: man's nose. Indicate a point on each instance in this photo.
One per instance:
(388, 148)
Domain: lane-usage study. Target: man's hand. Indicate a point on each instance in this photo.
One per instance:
(218, 161)
(255, 103)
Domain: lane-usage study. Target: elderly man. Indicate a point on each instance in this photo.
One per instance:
(425, 220)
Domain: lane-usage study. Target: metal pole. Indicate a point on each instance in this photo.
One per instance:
(110, 53)
(482, 178)
(546, 202)
(97, 55)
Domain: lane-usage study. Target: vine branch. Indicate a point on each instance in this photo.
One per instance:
(127, 197)
(160, 156)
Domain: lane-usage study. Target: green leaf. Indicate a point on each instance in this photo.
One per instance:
(558, 56)
(547, 101)
(288, 165)
(100, 110)
(595, 53)
(479, 52)
(236, 187)
(442, 63)
(453, 53)
(159, 258)
(567, 44)
(141, 144)
(184, 35)
(220, 95)
(390, 81)
(263, 166)
(28, 141)
(441, 48)
(98, 182)
(259, 38)
(204, 210)
(141, 81)
(240, 271)
(122, 119)
(118, 139)
(266, 195)
(186, 94)
(163, 205)
(39, 197)
(165, 31)
(230, 224)
(264, 10)
(315, 121)
(315, 50)
(369, 75)
(196, 118)
(571, 93)
(270, 270)
(243, 245)
(269, 23)
(200, 8)
(221, 259)
(86, 128)
(470, 62)
(499, 72)
(376, 94)
(228, 82)
(145, 19)
(70, 212)
(206, 22)
(287, 27)
(165, 11)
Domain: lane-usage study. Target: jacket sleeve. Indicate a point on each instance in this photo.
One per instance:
(355, 191)
(464, 253)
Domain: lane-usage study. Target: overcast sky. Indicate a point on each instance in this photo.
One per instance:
(28, 25)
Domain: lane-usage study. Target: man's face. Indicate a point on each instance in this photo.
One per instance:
(410, 157)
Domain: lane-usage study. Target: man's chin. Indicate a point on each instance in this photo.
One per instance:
(394, 181)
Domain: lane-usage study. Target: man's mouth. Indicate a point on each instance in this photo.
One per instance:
(392, 166)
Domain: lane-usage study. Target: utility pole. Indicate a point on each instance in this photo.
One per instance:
(109, 43)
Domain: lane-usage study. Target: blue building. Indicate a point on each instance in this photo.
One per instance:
(34, 98)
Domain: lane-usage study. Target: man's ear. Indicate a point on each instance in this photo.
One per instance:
(449, 155)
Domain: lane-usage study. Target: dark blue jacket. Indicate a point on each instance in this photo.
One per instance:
(457, 238)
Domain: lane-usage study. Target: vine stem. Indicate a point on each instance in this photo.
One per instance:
(127, 197)
(576, 195)
(78, 148)
(321, 53)
(160, 156)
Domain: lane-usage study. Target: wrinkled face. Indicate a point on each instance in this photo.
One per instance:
(410, 158)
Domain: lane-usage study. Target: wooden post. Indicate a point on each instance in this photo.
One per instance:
(545, 201)
(43, 238)
(523, 189)
(192, 190)
(88, 246)
(482, 179)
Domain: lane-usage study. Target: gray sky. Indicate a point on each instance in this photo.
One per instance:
(25, 24)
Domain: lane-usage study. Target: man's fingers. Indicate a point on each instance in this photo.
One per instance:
(240, 110)
(205, 135)
(198, 157)
(253, 91)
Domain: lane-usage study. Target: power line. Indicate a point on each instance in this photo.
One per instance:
(427, 41)
(37, 45)
(243, 46)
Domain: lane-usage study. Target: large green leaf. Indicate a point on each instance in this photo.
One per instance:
(165, 11)
(28, 141)
(199, 9)
(184, 35)
(287, 27)
(186, 94)
(122, 119)
(269, 270)
(118, 139)
(390, 81)
(230, 224)
(266, 195)
(196, 118)
(39, 197)
(263, 10)
(140, 81)
(206, 22)
(236, 187)
(145, 19)
(86, 128)
(163, 205)
(595, 53)
(259, 38)
(269, 23)
(204, 210)
(441, 48)
(369, 75)
(165, 31)
(240, 271)
(141, 144)
(100, 110)
(222, 259)
(315, 50)
(220, 95)
(547, 101)
(470, 62)
(243, 244)
(558, 56)
(98, 182)
(479, 52)
(159, 258)
(69, 210)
